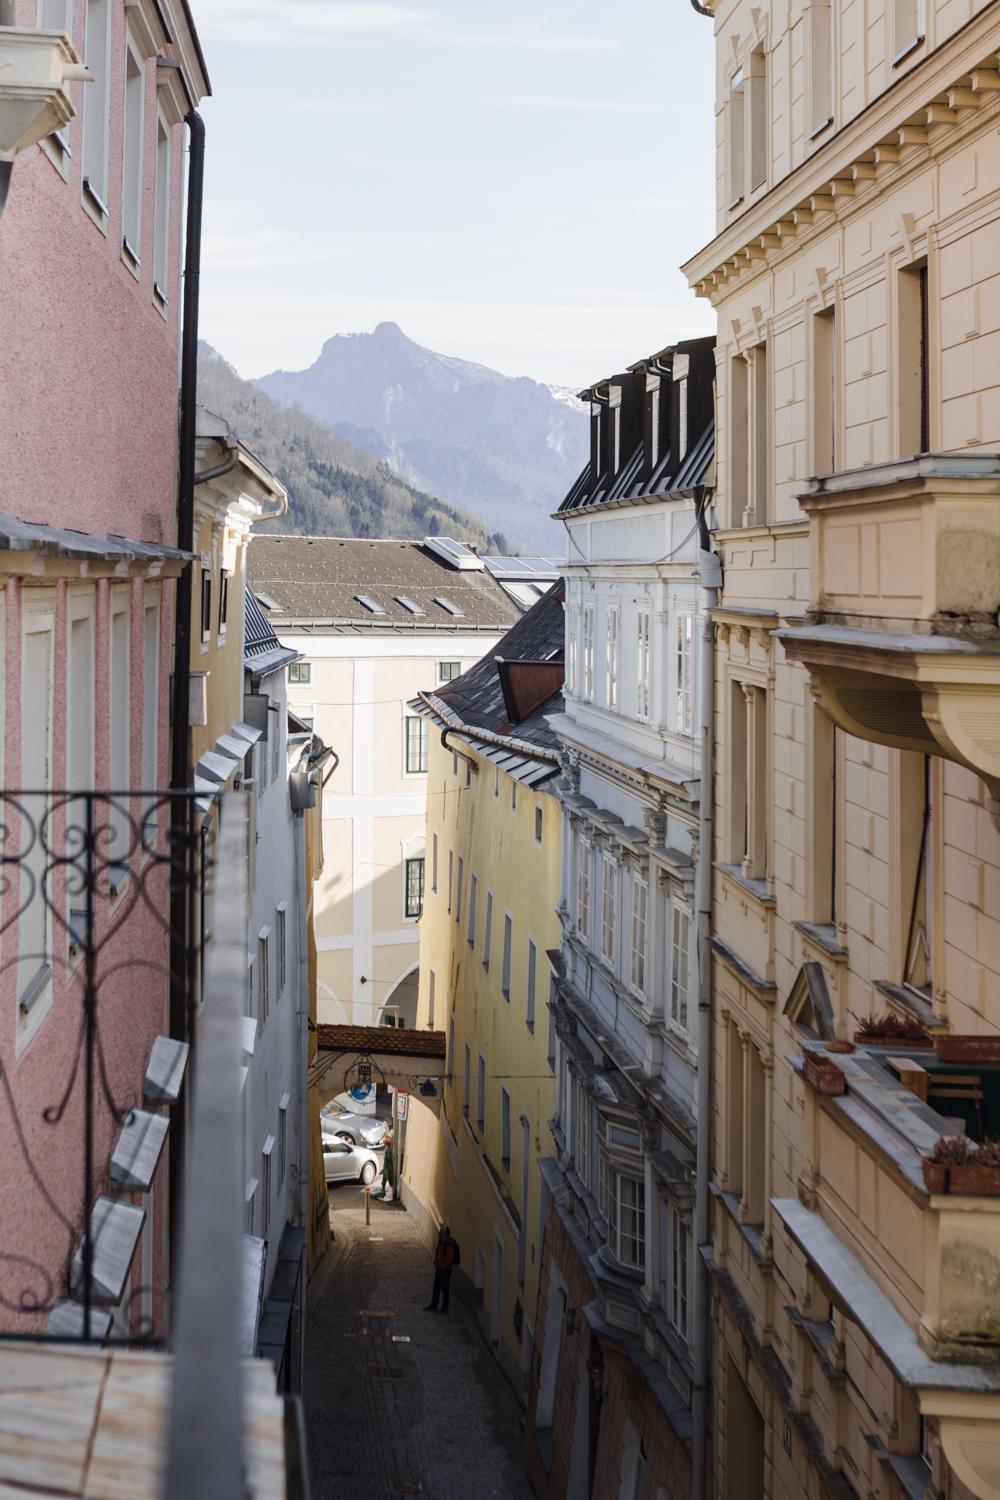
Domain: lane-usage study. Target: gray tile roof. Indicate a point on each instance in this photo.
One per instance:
(476, 698)
(318, 582)
(263, 653)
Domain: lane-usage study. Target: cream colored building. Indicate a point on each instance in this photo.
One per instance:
(471, 1159)
(854, 274)
(375, 621)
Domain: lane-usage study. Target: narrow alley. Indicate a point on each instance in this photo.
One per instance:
(400, 1401)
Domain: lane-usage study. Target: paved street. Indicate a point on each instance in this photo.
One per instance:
(400, 1401)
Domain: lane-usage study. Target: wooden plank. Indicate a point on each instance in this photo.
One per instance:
(48, 1405)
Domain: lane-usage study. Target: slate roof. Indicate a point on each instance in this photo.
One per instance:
(399, 1040)
(316, 581)
(628, 484)
(476, 698)
(263, 653)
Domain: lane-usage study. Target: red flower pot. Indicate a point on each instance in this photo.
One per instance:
(936, 1175)
(968, 1048)
(824, 1075)
(969, 1178)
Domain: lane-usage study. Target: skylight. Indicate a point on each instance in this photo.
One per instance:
(369, 604)
(446, 604)
(409, 604)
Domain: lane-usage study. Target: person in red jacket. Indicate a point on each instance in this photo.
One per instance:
(446, 1258)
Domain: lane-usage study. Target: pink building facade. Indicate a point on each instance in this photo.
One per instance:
(91, 245)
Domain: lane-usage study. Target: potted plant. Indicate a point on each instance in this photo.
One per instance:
(839, 1046)
(824, 1075)
(980, 1173)
(892, 1030)
(960, 1049)
(949, 1151)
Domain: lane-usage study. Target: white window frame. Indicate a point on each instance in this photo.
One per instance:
(133, 153)
(530, 985)
(267, 1150)
(96, 113)
(421, 748)
(610, 878)
(488, 931)
(434, 863)
(264, 976)
(639, 934)
(587, 686)
(617, 1184)
(473, 905)
(583, 1127)
(736, 121)
(481, 1092)
(505, 1126)
(459, 890)
(679, 1310)
(684, 672)
(680, 967)
(909, 28)
(508, 945)
(283, 1104)
(584, 886)
(280, 949)
(161, 211)
(35, 974)
(643, 663)
(611, 658)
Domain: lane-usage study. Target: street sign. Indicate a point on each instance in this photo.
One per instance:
(401, 1099)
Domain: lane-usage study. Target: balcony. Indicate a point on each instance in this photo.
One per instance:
(902, 642)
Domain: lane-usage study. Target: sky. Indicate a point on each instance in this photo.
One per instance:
(515, 184)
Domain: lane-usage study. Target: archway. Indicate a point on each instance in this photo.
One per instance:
(400, 1005)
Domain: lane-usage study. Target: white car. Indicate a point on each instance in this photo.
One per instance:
(368, 1129)
(345, 1162)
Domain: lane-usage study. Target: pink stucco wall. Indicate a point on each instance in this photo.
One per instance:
(88, 440)
(88, 363)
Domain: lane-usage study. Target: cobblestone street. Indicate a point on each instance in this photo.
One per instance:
(400, 1401)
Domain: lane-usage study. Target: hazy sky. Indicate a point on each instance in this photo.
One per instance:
(513, 183)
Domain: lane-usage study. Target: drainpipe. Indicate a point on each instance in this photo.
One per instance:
(710, 577)
(181, 925)
(304, 1201)
(702, 10)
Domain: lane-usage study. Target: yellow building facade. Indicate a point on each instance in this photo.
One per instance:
(857, 852)
(489, 925)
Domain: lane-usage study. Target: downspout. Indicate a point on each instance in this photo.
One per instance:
(181, 925)
(710, 579)
(303, 1200)
(702, 10)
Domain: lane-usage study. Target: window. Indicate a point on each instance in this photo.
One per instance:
(223, 601)
(282, 1137)
(250, 1199)
(434, 862)
(682, 416)
(415, 886)
(97, 55)
(611, 658)
(481, 1093)
(609, 908)
(819, 41)
(538, 825)
(758, 492)
(737, 138)
(505, 1127)
(265, 1183)
(642, 664)
(467, 1081)
(264, 972)
(683, 672)
(513, 794)
(914, 363)
(459, 889)
(680, 1256)
(133, 151)
(581, 1136)
(161, 214)
(623, 1203)
(55, 15)
(150, 703)
(637, 965)
(825, 377)
(822, 796)
(507, 942)
(634, 1464)
(571, 656)
(449, 670)
(496, 782)
(451, 1048)
(680, 935)
(473, 902)
(588, 652)
(584, 867)
(488, 930)
(416, 744)
(550, 1055)
(34, 968)
(431, 996)
(300, 671)
(80, 745)
(120, 836)
(758, 120)
(908, 27)
(451, 874)
(276, 728)
(746, 1125)
(206, 602)
(280, 950)
(529, 1008)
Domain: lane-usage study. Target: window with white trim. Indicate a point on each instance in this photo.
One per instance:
(280, 950)
(680, 934)
(637, 961)
(611, 658)
(459, 890)
(481, 1093)
(133, 143)
(276, 722)
(416, 744)
(737, 137)
(571, 651)
(415, 886)
(529, 1004)
(587, 686)
(34, 967)
(431, 996)
(505, 1126)
(584, 869)
(451, 874)
(434, 863)
(819, 46)
(680, 1259)
(582, 1127)
(683, 672)
(283, 1104)
(757, 101)
(120, 723)
(150, 714)
(466, 1080)
(643, 664)
(473, 903)
(488, 930)
(97, 55)
(508, 938)
(623, 1204)
(609, 908)
(909, 27)
(300, 672)
(161, 213)
(265, 1182)
(264, 975)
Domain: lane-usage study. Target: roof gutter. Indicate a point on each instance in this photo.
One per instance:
(702, 10)
(226, 467)
(471, 731)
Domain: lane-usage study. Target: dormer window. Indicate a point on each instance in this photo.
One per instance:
(616, 440)
(596, 439)
(681, 369)
(654, 427)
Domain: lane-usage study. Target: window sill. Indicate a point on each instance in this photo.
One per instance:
(94, 205)
(752, 1233)
(131, 259)
(34, 990)
(822, 935)
(907, 52)
(815, 134)
(758, 889)
(58, 152)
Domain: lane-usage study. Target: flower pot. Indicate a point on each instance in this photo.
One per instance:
(969, 1178)
(824, 1075)
(935, 1175)
(839, 1046)
(968, 1048)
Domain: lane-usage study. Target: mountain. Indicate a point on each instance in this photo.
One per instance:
(501, 447)
(334, 487)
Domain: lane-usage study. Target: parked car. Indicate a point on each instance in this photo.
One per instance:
(345, 1162)
(351, 1127)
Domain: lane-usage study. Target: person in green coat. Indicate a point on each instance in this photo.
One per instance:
(388, 1168)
